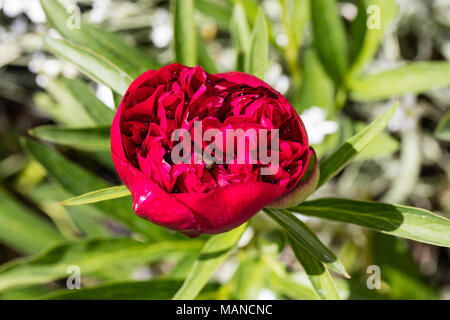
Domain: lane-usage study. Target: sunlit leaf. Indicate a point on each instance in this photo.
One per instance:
(257, 59)
(185, 35)
(65, 172)
(306, 239)
(90, 256)
(103, 43)
(89, 139)
(98, 195)
(334, 163)
(214, 253)
(93, 65)
(97, 110)
(290, 288)
(400, 81)
(317, 273)
(401, 221)
(23, 229)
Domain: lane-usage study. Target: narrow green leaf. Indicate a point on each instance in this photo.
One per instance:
(70, 110)
(65, 172)
(22, 229)
(25, 293)
(329, 38)
(334, 163)
(401, 221)
(100, 41)
(98, 111)
(258, 55)
(214, 253)
(219, 11)
(250, 278)
(155, 289)
(204, 58)
(98, 195)
(307, 239)
(317, 87)
(140, 60)
(400, 81)
(185, 35)
(93, 65)
(443, 128)
(317, 273)
(289, 288)
(239, 28)
(89, 139)
(368, 29)
(117, 99)
(90, 256)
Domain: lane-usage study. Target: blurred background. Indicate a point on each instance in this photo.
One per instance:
(407, 164)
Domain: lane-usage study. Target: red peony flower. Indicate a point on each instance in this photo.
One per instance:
(203, 153)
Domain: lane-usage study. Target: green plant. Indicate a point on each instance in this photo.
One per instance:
(325, 72)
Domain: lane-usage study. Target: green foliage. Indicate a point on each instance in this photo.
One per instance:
(213, 254)
(402, 221)
(327, 67)
(90, 256)
(185, 36)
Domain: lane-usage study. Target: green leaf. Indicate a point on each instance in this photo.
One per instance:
(88, 219)
(98, 195)
(307, 239)
(290, 288)
(90, 256)
(399, 270)
(185, 35)
(155, 289)
(102, 42)
(400, 81)
(401, 221)
(219, 11)
(368, 29)
(329, 38)
(239, 29)
(92, 64)
(69, 109)
(25, 293)
(141, 61)
(317, 87)
(88, 139)
(258, 55)
(334, 163)
(204, 58)
(443, 128)
(66, 172)
(22, 229)
(214, 253)
(98, 111)
(250, 278)
(317, 273)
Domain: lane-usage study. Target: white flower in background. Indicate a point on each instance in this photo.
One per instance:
(405, 118)
(273, 9)
(162, 30)
(266, 294)
(316, 124)
(277, 79)
(105, 95)
(99, 10)
(32, 8)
